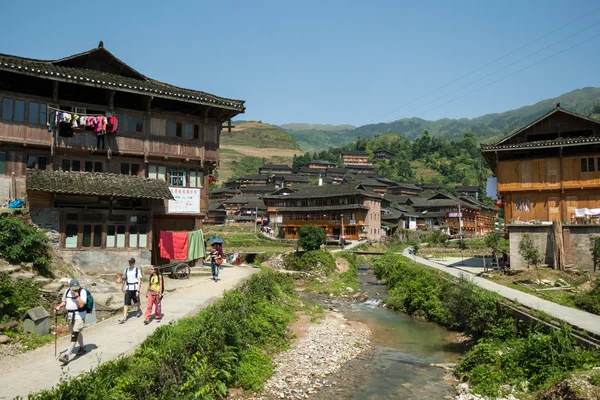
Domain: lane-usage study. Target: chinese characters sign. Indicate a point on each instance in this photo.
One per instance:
(187, 201)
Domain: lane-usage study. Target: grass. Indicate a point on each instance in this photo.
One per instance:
(242, 238)
(424, 172)
(337, 283)
(29, 340)
(259, 135)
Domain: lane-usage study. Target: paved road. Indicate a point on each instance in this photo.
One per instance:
(38, 369)
(577, 318)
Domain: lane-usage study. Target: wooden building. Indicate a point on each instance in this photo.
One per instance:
(244, 208)
(549, 168)
(269, 169)
(468, 191)
(345, 209)
(350, 158)
(320, 164)
(112, 156)
(404, 189)
(361, 169)
(337, 174)
(382, 154)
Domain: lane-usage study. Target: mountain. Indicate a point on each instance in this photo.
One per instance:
(258, 135)
(489, 127)
(317, 127)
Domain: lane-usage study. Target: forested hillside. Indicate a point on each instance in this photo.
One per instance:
(485, 128)
(258, 135)
(450, 162)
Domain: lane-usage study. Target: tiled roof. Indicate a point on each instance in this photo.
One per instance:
(323, 208)
(293, 178)
(96, 184)
(355, 153)
(258, 189)
(359, 167)
(88, 77)
(337, 170)
(467, 188)
(544, 143)
(275, 166)
(251, 177)
(241, 199)
(410, 186)
(321, 162)
(314, 192)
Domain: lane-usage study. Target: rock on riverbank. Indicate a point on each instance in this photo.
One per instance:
(319, 350)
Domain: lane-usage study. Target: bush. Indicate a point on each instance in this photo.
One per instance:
(22, 243)
(16, 297)
(529, 252)
(311, 237)
(590, 300)
(317, 260)
(437, 238)
(200, 356)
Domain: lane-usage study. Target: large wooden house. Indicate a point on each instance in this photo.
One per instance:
(549, 168)
(347, 210)
(105, 155)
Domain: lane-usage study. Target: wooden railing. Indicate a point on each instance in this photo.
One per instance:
(21, 133)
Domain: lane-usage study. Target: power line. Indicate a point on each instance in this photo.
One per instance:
(490, 63)
(513, 73)
(503, 68)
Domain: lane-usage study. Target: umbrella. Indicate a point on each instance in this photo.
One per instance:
(216, 239)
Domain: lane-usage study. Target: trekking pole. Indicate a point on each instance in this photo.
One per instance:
(55, 332)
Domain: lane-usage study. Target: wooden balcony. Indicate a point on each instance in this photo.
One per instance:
(319, 222)
(22, 133)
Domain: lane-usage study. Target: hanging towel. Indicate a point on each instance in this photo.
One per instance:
(173, 245)
(165, 244)
(196, 245)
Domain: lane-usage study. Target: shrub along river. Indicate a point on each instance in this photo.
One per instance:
(398, 365)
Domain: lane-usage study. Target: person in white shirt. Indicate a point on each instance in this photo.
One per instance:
(131, 284)
(74, 300)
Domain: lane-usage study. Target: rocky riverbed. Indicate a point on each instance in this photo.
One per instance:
(318, 351)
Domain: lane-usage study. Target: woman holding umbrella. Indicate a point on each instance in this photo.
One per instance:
(216, 256)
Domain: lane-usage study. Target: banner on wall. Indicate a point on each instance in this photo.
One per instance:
(186, 201)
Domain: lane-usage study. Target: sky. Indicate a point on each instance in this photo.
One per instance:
(332, 61)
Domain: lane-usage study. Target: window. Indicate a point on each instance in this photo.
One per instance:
(37, 113)
(91, 235)
(523, 205)
(130, 169)
(2, 163)
(19, 115)
(196, 131)
(71, 236)
(130, 124)
(7, 109)
(139, 124)
(189, 131)
(76, 165)
(587, 165)
(196, 178)
(88, 166)
(66, 165)
(174, 129)
(177, 176)
(38, 162)
(157, 172)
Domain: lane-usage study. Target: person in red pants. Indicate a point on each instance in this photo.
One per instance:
(155, 293)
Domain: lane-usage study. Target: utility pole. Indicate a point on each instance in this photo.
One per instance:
(255, 218)
(342, 233)
(460, 232)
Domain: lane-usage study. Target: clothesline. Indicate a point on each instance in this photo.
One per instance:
(74, 113)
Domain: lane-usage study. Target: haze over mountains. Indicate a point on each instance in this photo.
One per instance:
(487, 128)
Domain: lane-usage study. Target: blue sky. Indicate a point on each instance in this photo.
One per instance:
(328, 61)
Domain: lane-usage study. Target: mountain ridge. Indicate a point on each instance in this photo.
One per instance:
(488, 127)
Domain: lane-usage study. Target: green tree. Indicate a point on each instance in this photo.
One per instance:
(529, 252)
(311, 237)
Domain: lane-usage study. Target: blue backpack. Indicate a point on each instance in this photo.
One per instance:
(89, 303)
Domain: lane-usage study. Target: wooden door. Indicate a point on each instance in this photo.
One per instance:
(553, 209)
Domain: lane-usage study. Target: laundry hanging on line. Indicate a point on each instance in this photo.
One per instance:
(181, 245)
(65, 122)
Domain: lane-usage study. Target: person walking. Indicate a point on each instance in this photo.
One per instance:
(154, 294)
(216, 259)
(74, 300)
(131, 284)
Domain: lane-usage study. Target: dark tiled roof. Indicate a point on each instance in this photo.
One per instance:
(342, 171)
(97, 184)
(410, 186)
(323, 208)
(52, 70)
(383, 151)
(275, 166)
(467, 188)
(426, 186)
(223, 191)
(251, 177)
(311, 171)
(314, 192)
(321, 162)
(242, 199)
(359, 167)
(355, 153)
(433, 214)
(545, 143)
(258, 189)
(293, 178)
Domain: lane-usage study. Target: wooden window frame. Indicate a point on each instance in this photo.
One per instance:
(155, 175)
(587, 164)
(130, 166)
(522, 202)
(36, 163)
(198, 176)
(183, 176)
(105, 223)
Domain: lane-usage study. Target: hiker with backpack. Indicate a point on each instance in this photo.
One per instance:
(156, 290)
(131, 284)
(77, 302)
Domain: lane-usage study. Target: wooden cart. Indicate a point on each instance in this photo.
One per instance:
(176, 270)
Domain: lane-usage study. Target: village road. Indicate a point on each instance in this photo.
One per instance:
(38, 369)
(577, 318)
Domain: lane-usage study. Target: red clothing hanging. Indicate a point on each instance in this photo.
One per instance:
(173, 245)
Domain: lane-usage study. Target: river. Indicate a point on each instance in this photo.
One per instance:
(398, 366)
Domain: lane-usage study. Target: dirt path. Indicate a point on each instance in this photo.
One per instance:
(36, 370)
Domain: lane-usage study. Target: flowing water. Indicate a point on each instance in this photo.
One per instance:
(403, 348)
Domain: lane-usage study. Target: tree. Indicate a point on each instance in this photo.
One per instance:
(311, 237)
(493, 241)
(529, 252)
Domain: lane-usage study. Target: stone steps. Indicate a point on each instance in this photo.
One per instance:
(10, 269)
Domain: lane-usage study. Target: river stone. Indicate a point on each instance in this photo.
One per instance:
(4, 339)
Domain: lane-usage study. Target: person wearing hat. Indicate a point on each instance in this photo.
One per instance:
(130, 285)
(74, 300)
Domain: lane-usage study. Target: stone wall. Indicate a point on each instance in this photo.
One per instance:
(106, 261)
(577, 241)
(4, 189)
(47, 218)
